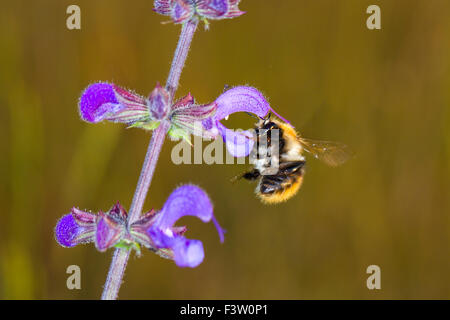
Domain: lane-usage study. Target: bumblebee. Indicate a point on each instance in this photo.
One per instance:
(278, 160)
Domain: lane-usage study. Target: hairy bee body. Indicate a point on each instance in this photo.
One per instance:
(287, 180)
(280, 170)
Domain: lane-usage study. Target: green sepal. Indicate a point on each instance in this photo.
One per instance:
(177, 133)
(147, 125)
(128, 245)
(206, 22)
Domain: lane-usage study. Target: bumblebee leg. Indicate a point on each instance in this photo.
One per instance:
(250, 175)
(279, 178)
(291, 167)
(270, 184)
(267, 189)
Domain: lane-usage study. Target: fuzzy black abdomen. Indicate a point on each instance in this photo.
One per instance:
(288, 175)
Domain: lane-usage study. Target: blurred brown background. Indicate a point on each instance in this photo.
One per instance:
(386, 93)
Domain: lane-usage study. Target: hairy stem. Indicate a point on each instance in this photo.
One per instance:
(179, 59)
(151, 158)
(120, 258)
(115, 274)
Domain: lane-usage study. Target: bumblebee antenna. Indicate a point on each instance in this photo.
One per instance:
(287, 121)
(269, 115)
(252, 115)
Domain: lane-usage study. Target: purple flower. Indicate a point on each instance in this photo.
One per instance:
(237, 99)
(75, 228)
(105, 229)
(186, 200)
(105, 101)
(182, 11)
(154, 230)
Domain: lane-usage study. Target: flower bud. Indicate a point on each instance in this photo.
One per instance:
(158, 103)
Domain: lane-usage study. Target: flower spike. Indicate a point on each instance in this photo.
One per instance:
(105, 101)
(154, 230)
(182, 11)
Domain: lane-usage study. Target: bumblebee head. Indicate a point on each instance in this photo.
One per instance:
(263, 122)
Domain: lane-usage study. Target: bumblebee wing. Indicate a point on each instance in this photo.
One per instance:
(329, 152)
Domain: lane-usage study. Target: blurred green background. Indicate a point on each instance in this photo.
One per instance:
(385, 93)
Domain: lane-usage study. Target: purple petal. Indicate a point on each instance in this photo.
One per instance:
(188, 253)
(239, 144)
(241, 99)
(208, 124)
(220, 230)
(67, 230)
(161, 238)
(97, 100)
(187, 200)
